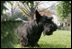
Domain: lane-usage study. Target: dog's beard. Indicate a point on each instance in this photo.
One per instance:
(47, 32)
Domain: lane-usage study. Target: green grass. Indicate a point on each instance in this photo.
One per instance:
(59, 39)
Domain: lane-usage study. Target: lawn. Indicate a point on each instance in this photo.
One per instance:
(59, 39)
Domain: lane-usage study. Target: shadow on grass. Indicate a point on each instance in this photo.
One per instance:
(52, 46)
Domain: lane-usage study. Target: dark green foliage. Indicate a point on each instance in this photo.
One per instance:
(8, 33)
(64, 9)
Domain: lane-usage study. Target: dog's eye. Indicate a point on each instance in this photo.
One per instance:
(51, 26)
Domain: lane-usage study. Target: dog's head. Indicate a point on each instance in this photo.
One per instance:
(49, 27)
(46, 22)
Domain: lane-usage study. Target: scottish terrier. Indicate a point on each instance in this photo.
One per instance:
(30, 32)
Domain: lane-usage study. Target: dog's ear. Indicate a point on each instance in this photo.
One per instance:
(37, 15)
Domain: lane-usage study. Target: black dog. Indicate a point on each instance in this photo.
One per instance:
(49, 28)
(30, 32)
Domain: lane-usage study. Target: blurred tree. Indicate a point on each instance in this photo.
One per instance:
(63, 9)
(28, 7)
(23, 9)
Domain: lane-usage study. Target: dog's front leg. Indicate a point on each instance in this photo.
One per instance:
(36, 44)
(25, 41)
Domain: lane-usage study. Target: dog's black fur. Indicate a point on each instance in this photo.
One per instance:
(49, 28)
(30, 32)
